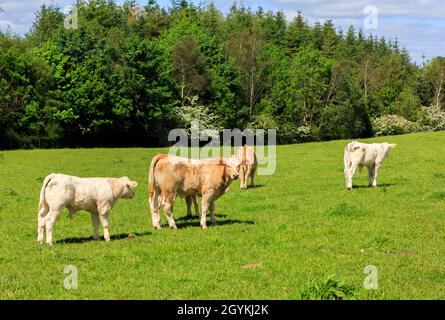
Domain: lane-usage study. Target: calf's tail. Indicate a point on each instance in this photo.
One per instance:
(151, 174)
(350, 147)
(42, 202)
(244, 156)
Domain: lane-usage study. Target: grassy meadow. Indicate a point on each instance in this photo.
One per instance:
(281, 240)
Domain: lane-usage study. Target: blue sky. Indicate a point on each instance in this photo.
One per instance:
(419, 25)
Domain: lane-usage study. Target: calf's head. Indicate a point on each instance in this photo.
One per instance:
(123, 187)
(387, 147)
(232, 167)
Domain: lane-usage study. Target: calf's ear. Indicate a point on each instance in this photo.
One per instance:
(117, 187)
(132, 184)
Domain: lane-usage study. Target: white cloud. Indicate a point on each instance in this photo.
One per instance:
(19, 15)
(348, 8)
(419, 25)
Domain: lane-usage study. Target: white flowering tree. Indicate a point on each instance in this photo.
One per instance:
(393, 124)
(436, 117)
(197, 119)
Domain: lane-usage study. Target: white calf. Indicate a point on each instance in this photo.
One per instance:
(96, 195)
(363, 154)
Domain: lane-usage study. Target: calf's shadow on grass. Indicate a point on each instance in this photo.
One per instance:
(114, 237)
(256, 186)
(382, 185)
(186, 222)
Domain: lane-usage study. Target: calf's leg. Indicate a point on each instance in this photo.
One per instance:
(103, 216)
(196, 205)
(374, 180)
(349, 173)
(155, 205)
(188, 201)
(348, 179)
(248, 172)
(252, 176)
(168, 210)
(95, 220)
(50, 220)
(206, 204)
(242, 176)
(41, 224)
(103, 211)
(371, 174)
(212, 213)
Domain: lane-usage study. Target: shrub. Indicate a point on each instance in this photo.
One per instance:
(434, 118)
(304, 133)
(392, 124)
(290, 133)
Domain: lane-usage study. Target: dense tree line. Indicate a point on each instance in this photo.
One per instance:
(128, 74)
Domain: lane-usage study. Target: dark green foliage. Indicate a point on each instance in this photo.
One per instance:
(115, 80)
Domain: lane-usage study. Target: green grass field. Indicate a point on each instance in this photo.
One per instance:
(278, 241)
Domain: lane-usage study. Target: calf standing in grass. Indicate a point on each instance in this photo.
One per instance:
(193, 199)
(363, 154)
(170, 176)
(246, 155)
(95, 195)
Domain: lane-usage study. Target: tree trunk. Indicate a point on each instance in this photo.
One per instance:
(438, 90)
(365, 83)
(251, 96)
(182, 85)
(252, 83)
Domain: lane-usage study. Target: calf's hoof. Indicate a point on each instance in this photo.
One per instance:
(40, 241)
(157, 227)
(173, 227)
(203, 227)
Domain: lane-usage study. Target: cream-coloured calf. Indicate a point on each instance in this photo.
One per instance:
(170, 176)
(95, 195)
(246, 155)
(193, 199)
(359, 154)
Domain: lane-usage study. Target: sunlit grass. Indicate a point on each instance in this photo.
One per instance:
(298, 228)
